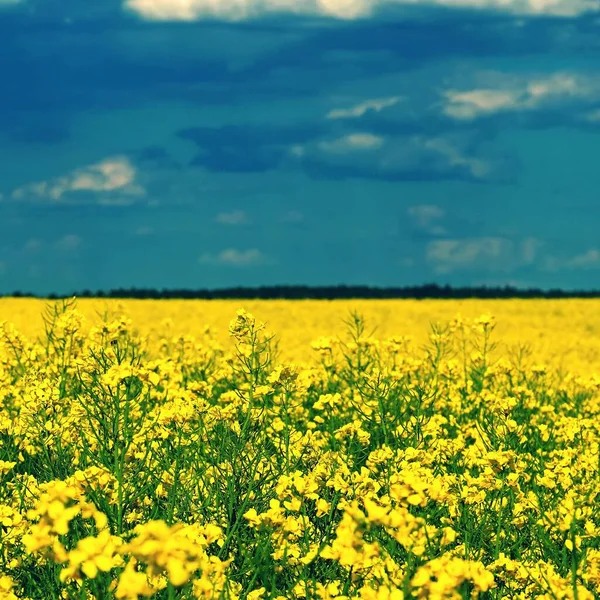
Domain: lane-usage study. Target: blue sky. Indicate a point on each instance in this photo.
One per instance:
(211, 143)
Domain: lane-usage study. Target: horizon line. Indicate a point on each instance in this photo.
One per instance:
(329, 292)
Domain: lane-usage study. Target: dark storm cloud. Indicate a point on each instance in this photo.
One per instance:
(69, 56)
(438, 34)
(465, 155)
(156, 157)
(63, 57)
(493, 101)
(65, 68)
(63, 60)
(408, 158)
(248, 148)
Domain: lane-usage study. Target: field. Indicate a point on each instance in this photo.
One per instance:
(365, 449)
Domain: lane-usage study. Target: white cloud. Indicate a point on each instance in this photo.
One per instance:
(399, 157)
(588, 259)
(521, 95)
(449, 255)
(529, 249)
(114, 178)
(235, 217)
(425, 213)
(352, 142)
(68, 243)
(106, 176)
(478, 168)
(144, 230)
(474, 103)
(359, 110)
(237, 10)
(491, 253)
(235, 258)
(426, 217)
(32, 245)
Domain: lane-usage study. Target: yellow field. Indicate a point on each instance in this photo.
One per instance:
(565, 333)
(167, 450)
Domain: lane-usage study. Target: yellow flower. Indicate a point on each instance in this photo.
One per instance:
(6, 467)
(252, 517)
(91, 555)
(256, 594)
(133, 584)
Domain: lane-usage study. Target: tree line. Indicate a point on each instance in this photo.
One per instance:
(303, 292)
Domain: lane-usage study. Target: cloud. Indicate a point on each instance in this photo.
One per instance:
(593, 116)
(223, 64)
(376, 105)
(352, 142)
(426, 217)
(477, 167)
(474, 103)
(238, 10)
(156, 157)
(144, 231)
(530, 249)
(232, 257)
(32, 245)
(245, 148)
(491, 253)
(68, 243)
(402, 157)
(112, 181)
(424, 214)
(587, 260)
(524, 95)
(448, 255)
(235, 217)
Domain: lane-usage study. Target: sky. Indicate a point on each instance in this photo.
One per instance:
(215, 143)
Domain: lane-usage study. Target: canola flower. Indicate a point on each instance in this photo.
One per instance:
(167, 465)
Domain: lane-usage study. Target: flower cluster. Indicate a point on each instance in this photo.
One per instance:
(149, 457)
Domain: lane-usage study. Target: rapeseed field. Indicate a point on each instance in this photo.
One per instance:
(364, 450)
